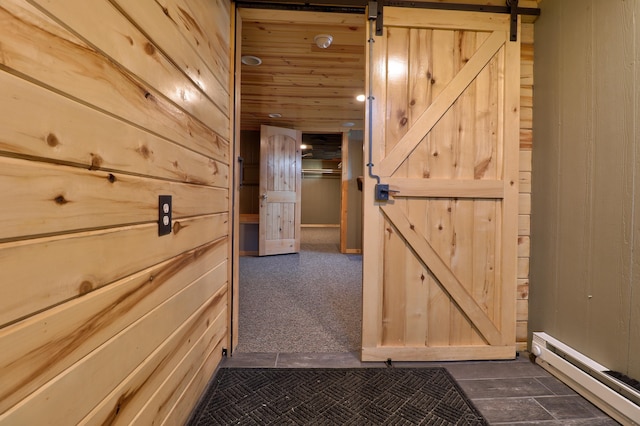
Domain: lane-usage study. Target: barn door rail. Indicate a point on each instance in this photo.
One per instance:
(511, 8)
(358, 6)
(506, 9)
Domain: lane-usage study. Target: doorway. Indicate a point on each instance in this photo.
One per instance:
(308, 301)
(444, 211)
(289, 81)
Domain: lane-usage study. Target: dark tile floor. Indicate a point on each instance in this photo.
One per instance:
(514, 392)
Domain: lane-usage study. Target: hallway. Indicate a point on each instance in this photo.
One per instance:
(306, 302)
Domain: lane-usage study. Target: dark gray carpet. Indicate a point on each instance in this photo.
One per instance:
(306, 302)
(366, 396)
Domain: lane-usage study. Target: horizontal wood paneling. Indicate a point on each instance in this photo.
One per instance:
(65, 132)
(139, 394)
(526, 145)
(524, 224)
(181, 408)
(313, 89)
(156, 326)
(105, 105)
(72, 265)
(206, 32)
(76, 328)
(54, 205)
(70, 66)
(109, 31)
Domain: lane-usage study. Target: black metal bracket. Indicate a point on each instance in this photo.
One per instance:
(382, 192)
(379, 18)
(514, 19)
(241, 166)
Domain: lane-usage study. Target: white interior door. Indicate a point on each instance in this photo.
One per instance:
(280, 190)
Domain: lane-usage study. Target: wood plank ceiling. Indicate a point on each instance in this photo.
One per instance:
(312, 89)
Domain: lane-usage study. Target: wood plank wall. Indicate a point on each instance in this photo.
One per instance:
(524, 219)
(104, 106)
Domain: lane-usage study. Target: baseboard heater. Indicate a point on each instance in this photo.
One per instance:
(588, 378)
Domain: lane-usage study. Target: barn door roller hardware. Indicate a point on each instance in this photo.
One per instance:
(510, 8)
(513, 4)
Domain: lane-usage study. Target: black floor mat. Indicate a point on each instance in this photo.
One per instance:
(365, 396)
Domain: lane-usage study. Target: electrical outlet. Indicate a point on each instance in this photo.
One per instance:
(164, 215)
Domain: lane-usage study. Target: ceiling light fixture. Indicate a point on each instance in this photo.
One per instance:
(275, 115)
(323, 40)
(361, 98)
(252, 61)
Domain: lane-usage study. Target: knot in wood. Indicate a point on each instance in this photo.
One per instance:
(144, 151)
(176, 227)
(85, 287)
(96, 162)
(60, 200)
(149, 48)
(52, 140)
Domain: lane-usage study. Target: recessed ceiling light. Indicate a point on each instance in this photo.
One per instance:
(252, 61)
(361, 98)
(275, 115)
(349, 124)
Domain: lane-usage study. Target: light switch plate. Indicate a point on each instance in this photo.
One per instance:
(164, 215)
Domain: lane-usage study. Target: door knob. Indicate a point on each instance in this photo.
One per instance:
(264, 196)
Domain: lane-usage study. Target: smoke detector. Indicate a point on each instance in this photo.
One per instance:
(323, 40)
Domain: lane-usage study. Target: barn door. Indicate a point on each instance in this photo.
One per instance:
(280, 190)
(439, 280)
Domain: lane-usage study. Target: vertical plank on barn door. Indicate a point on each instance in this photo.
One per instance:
(440, 256)
(418, 288)
(280, 190)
